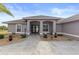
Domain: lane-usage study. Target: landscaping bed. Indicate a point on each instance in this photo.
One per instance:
(4, 38)
(60, 37)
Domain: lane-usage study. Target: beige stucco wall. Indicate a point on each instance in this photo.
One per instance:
(59, 28)
(12, 28)
(71, 27)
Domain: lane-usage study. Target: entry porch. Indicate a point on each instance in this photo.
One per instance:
(40, 26)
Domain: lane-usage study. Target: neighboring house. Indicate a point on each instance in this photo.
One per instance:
(45, 24)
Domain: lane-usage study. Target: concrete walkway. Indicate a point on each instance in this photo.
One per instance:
(33, 45)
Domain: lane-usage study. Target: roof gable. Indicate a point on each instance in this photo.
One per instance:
(41, 17)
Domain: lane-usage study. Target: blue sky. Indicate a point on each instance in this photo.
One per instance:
(20, 10)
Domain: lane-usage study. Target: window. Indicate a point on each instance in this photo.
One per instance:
(19, 27)
(45, 27)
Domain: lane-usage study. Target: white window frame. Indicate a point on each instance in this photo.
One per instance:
(48, 28)
(21, 28)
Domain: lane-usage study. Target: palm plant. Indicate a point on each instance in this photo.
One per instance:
(5, 10)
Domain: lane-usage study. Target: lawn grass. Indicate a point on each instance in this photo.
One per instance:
(3, 32)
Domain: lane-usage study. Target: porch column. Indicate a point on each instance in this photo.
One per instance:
(54, 27)
(41, 27)
(28, 28)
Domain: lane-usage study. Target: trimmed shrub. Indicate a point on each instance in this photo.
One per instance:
(55, 35)
(23, 35)
(1, 36)
(60, 34)
(44, 35)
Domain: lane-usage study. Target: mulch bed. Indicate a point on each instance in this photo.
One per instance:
(52, 38)
(5, 41)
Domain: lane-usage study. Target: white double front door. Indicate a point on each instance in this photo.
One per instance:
(35, 29)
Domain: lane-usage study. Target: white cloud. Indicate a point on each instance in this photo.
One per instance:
(56, 11)
(38, 12)
(14, 7)
(65, 12)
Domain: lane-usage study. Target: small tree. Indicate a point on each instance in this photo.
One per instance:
(3, 28)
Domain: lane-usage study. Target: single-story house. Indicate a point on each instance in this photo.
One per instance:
(45, 24)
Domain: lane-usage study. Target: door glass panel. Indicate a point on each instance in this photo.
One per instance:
(36, 28)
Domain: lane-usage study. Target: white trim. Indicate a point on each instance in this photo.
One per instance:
(41, 33)
(21, 28)
(77, 36)
(28, 28)
(41, 28)
(54, 27)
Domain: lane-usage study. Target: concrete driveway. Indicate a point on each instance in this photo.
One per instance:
(33, 45)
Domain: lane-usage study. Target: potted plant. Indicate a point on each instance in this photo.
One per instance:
(55, 35)
(10, 37)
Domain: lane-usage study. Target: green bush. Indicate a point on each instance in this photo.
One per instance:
(44, 35)
(23, 35)
(1, 36)
(13, 33)
(60, 34)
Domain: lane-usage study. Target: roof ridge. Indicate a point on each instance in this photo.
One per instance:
(43, 16)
